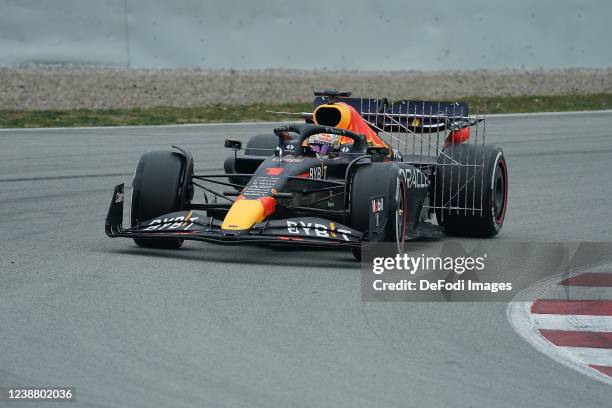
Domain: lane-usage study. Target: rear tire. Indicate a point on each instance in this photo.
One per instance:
(492, 186)
(373, 180)
(157, 190)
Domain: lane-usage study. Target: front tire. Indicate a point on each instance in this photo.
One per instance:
(375, 180)
(157, 190)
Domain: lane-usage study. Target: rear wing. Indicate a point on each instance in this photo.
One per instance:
(417, 116)
(423, 116)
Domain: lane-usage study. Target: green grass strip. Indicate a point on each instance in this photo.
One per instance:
(257, 112)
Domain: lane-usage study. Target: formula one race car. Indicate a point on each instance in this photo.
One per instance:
(357, 171)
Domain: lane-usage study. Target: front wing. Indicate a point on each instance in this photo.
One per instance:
(306, 231)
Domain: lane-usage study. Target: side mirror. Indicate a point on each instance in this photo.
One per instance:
(233, 144)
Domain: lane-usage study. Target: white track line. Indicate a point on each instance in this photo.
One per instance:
(572, 322)
(595, 356)
(496, 115)
(182, 125)
(536, 114)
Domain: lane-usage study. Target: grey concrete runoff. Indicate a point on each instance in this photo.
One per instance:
(55, 87)
(262, 327)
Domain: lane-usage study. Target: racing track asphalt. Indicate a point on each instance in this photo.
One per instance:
(261, 327)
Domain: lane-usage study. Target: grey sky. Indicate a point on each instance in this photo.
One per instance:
(338, 34)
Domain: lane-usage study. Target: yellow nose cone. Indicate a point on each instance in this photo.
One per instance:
(243, 215)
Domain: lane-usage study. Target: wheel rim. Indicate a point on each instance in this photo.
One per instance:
(400, 216)
(500, 192)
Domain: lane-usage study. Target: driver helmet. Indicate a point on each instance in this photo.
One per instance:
(323, 143)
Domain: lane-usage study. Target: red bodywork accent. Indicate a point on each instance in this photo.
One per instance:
(274, 171)
(458, 136)
(269, 205)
